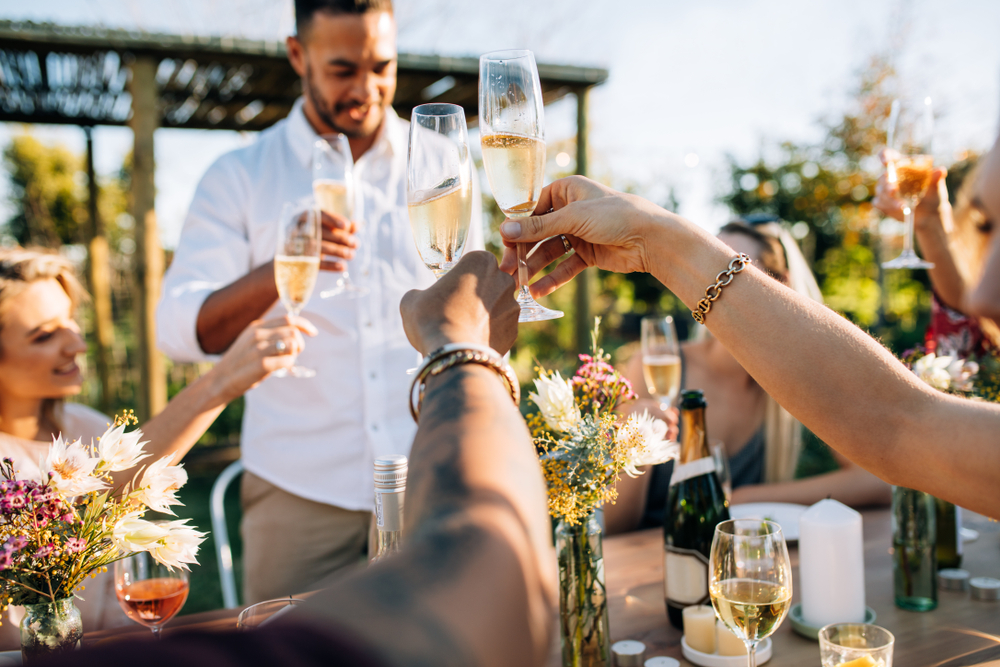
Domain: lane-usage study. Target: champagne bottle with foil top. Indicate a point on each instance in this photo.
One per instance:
(390, 492)
(696, 503)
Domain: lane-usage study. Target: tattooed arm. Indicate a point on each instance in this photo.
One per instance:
(475, 584)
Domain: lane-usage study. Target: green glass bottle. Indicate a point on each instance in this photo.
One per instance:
(696, 504)
(949, 539)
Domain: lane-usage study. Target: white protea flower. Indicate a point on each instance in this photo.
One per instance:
(160, 482)
(133, 533)
(645, 436)
(179, 546)
(555, 401)
(933, 370)
(71, 467)
(118, 450)
(962, 372)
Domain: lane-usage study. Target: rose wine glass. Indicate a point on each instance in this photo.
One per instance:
(911, 127)
(334, 191)
(511, 126)
(296, 263)
(661, 359)
(439, 184)
(750, 579)
(150, 592)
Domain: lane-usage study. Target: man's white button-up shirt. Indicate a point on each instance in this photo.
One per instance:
(316, 438)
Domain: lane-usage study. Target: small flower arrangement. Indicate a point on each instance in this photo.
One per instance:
(583, 443)
(976, 377)
(70, 524)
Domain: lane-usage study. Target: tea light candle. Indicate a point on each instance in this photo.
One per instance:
(831, 564)
(728, 642)
(699, 628)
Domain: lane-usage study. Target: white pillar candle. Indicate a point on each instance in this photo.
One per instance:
(831, 564)
(728, 642)
(699, 628)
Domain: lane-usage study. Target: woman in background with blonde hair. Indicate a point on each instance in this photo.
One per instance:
(762, 440)
(39, 342)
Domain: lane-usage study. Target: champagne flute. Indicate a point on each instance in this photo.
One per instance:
(333, 189)
(661, 359)
(439, 184)
(296, 263)
(512, 136)
(149, 592)
(911, 127)
(750, 579)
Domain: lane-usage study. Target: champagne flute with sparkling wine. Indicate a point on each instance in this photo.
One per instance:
(333, 189)
(911, 127)
(296, 263)
(439, 184)
(750, 579)
(513, 139)
(149, 592)
(661, 359)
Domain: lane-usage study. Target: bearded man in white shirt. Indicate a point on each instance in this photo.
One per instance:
(308, 445)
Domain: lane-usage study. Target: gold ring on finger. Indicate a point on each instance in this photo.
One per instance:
(566, 244)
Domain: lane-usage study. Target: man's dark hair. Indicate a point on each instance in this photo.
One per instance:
(306, 9)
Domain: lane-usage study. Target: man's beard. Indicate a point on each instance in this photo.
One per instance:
(327, 115)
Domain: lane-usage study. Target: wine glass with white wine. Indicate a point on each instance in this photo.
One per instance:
(750, 579)
(911, 127)
(511, 127)
(334, 191)
(296, 263)
(661, 359)
(439, 184)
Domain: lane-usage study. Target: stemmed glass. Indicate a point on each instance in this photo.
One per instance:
(911, 127)
(513, 140)
(750, 579)
(439, 184)
(661, 359)
(334, 191)
(296, 263)
(150, 593)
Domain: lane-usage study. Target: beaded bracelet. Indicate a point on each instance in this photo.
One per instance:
(736, 264)
(455, 354)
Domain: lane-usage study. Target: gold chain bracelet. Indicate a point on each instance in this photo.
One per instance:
(736, 264)
(456, 354)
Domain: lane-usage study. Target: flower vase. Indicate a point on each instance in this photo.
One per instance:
(583, 603)
(50, 628)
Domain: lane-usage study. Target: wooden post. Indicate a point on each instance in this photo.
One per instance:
(148, 254)
(583, 322)
(100, 282)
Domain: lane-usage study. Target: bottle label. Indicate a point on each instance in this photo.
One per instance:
(685, 577)
(693, 469)
(389, 510)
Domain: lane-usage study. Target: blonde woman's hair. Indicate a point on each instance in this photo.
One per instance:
(19, 267)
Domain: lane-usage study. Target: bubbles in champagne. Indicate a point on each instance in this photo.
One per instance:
(295, 278)
(515, 167)
(333, 197)
(440, 220)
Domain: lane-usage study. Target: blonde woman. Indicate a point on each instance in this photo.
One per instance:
(763, 441)
(39, 343)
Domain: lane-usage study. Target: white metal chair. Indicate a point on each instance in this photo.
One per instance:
(220, 531)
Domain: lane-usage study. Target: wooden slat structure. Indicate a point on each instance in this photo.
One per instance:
(90, 76)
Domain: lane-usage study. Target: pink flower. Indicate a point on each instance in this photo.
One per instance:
(44, 551)
(75, 545)
(16, 543)
(6, 559)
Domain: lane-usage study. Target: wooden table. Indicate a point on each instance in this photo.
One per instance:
(961, 631)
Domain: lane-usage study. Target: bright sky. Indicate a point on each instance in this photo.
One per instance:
(708, 78)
